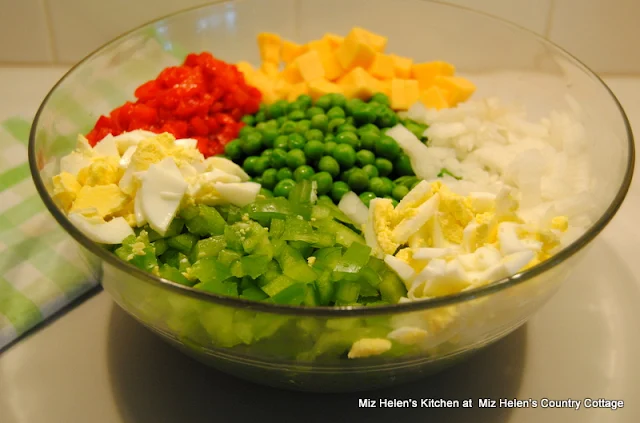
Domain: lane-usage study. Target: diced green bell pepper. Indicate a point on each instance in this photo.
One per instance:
(267, 209)
(294, 265)
(138, 251)
(300, 199)
(160, 246)
(292, 295)
(207, 222)
(300, 230)
(310, 296)
(326, 208)
(210, 269)
(347, 293)
(254, 294)
(208, 247)
(354, 258)
(183, 242)
(227, 257)
(327, 258)
(218, 287)
(277, 228)
(344, 236)
(325, 287)
(278, 284)
(391, 288)
(174, 275)
(254, 265)
(175, 228)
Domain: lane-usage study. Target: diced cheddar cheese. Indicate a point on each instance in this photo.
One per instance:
(269, 45)
(332, 68)
(291, 73)
(297, 90)
(402, 66)
(378, 42)
(359, 84)
(459, 89)
(270, 69)
(310, 66)
(334, 40)
(262, 83)
(434, 98)
(425, 73)
(404, 93)
(320, 87)
(281, 88)
(290, 50)
(245, 68)
(355, 51)
(382, 66)
(384, 87)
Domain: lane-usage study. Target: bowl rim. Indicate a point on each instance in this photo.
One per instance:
(111, 259)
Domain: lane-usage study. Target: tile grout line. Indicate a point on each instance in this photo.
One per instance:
(49, 21)
(550, 16)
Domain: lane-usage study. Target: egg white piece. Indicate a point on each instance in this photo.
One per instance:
(482, 201)
(354, 208)
(227, 166)
(402, 269)
(430, 253)
(369, 231)
(97, 230)
(408, 335)
(509, 240)
(516, 261)
(186, 143)
(129, 139)
(125, 160)
(157, 208)
(107, 148)
(74, 163)
(239, 194)
(137, 211)
(407, 227)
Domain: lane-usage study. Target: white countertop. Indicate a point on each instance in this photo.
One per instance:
(95, 364)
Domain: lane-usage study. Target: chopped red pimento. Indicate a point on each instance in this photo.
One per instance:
(204, 99)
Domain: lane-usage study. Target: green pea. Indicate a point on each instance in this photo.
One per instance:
(314, 111)
(347, 127)
(330, 165)
(267, 153)
(284, 187)
(350, 120)
(314, 135)
(399, 191)
(248, 119)
(303, 172)
(366, 197)
(380, 98)
(249, 165)
(349, 138)
(257, 180)
(368, 127)
(415, 129)
(284, 173)
(338, 190)
(314, 150)
(269, 135)
(402, 166)
(296, 141)
(272, 123)
(380, 187)
(252, 144)
(371, 171)
(388, 147)
(270, 178)
(364, 114)
(244, 131)
(329, 147)
(358, 180)
(296, 158)
(278, 109)
(287, 128)
(344, 176)
(305, 100)
(334, 124)
(281, 120)
(345, 155)
(385, 167)
(387, 119)
(352, 105)
(336, 112)
(233, 150)
(261, 126)
(365, 157)
(261, 165)
(303, 126)
(338, 100)
(296, 115)
(324, 102)
(369, 140)
(324, 182)
(320, 122)
(278, 158)
(329, 138)
(281, 142)
(260, 117)
(266, 193)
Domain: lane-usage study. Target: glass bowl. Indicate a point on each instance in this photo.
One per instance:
(305, 348)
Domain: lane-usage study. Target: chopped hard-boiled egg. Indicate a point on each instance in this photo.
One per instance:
(368, 347)
(100, 231)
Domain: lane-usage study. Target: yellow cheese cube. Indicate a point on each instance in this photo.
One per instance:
(384, 87)
(402, 66)
(245, 67)
(264, 84)
(333, 39)
(281, 88)
(460, 89)
(297, 90)
(290, 50)
(426, 73)
(269, 45)
(359, 84)
(355, 51)
(320, 87)
(332, 68)
(310, 66)
(434, 98)
(378, 42)
(382, 66)
(291, 73)
(270, 69)
(412, 92)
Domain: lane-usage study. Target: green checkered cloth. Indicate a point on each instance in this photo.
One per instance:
(41, 269)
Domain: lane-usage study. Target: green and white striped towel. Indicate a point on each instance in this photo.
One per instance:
(41, 268)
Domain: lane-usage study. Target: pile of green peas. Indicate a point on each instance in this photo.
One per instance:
(339, 143)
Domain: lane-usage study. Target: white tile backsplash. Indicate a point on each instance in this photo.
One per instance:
(604, 34)
(24, 33)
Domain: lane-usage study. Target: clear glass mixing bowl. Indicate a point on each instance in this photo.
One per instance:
(304, 348)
